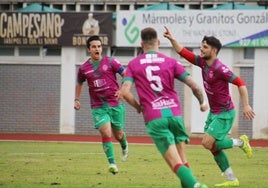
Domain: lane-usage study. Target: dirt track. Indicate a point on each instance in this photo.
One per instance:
(96, 138)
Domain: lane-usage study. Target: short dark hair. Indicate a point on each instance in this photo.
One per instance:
(94, 37)
(213, 41)
(148, 34)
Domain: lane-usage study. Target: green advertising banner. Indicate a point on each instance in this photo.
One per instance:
(235, 28)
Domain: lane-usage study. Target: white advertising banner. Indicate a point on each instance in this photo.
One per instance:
(234, 28)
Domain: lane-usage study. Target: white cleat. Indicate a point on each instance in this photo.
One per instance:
(113, 169)
(124, 154)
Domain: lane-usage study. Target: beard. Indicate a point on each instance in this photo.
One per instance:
(207, 57)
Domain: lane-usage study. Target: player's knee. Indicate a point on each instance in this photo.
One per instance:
(206, 145)
(119, 135)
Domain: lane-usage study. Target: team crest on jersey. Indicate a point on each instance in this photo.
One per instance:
(105, 67)
(210, 74)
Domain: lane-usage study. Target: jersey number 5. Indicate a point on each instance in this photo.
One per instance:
(155, 80)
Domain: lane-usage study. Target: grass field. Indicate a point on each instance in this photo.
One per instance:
(82, 165)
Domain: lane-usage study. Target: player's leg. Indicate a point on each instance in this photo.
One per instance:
(241, 142)
(214, 139)
(223, 124)
(178, 129)
(165, 143)
(221, 160)
(227, 143)
(184, 173)
(180, 135)
(217, 128)
(122, 139)
(182, 153)
(117, 115)
(102, 123)
(108, 148)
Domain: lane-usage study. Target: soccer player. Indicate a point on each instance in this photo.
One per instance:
(108, 114)
(216, 79)
(154, 74)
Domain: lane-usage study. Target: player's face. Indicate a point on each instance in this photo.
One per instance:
(95, 50)
(206, 51)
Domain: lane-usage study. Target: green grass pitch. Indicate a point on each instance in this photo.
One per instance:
(83, 165)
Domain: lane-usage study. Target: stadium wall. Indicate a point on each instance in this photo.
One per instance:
(38, 97)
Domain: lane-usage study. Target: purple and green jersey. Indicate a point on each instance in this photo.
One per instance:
(153, 74)
(101, 80)
(216, 79)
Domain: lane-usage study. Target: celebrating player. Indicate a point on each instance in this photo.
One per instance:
(108, 114)
(154, 74)
(216, 79)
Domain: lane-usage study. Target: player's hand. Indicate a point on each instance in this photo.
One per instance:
(167, 34)
(76, 104)
(204, 107)
(248, 113)
(139, 109)
(119, 95)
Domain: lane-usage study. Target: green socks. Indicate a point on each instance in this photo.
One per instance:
(222, 160)
(108, 147)
(186, 176)
(123, 142)
(109, 151)
(226, 143)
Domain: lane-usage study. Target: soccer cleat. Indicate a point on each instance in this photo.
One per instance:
(198, 185)
(246, 146)
(234, 183)
(113, 169)
(203, 186)
(124, 154)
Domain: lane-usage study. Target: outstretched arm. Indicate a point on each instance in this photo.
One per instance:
(176, 45)
(180, 49)
(197, 92)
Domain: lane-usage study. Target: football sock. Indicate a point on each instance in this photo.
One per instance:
(237, 142)
(108, 149)
(221, 159)
(229, 174)
(186, 176)
(186, 164)
(123, 141)
(226, 143)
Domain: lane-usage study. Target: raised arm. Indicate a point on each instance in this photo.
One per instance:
(180, 49)
(176, 45)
